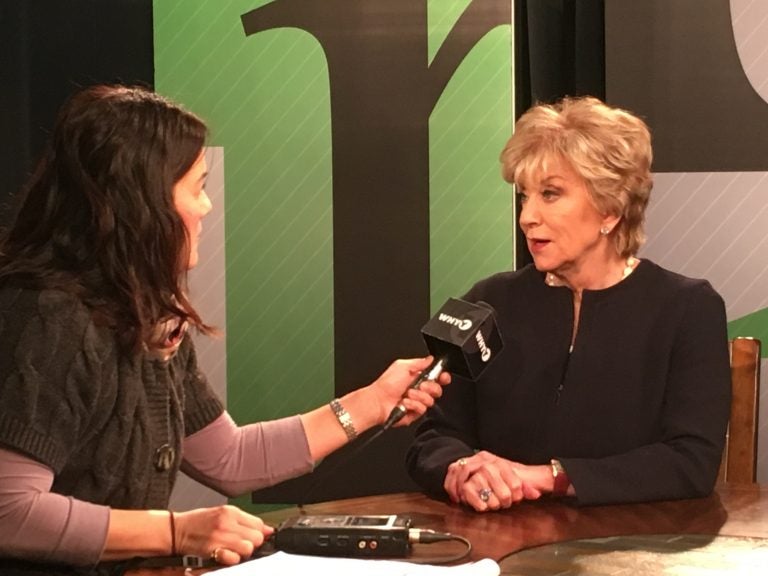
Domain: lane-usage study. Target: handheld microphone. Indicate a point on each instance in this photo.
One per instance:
(463, 338)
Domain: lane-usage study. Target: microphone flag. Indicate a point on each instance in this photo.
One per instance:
(465, 335)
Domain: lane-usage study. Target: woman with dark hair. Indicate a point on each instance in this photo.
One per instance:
(101, 399)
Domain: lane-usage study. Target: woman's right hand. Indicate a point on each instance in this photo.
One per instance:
(393, 388)
(226, 530)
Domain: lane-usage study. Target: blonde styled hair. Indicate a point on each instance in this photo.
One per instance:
(608, 147)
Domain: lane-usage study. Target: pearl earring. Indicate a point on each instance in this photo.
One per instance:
(604, 230)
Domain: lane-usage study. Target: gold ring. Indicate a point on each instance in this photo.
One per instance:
(215, 554)
(462, 462)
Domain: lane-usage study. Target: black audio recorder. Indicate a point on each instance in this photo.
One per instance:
(348, 536)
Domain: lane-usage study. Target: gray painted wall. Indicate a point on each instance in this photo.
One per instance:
(715, 226)
(208, 291)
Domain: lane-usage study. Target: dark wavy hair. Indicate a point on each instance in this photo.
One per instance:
(97, 217)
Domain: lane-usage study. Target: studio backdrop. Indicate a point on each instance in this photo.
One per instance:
(697, 70)
(359, 144)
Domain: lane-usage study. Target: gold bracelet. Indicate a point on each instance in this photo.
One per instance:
(344, 419)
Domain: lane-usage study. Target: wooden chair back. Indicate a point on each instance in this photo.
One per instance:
(739, 463)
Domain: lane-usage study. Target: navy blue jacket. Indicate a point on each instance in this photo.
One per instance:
(637, 412)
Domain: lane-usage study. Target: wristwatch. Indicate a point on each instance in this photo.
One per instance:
(344, 419)
(560, 477)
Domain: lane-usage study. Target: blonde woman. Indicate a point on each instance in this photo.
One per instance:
(614, 383)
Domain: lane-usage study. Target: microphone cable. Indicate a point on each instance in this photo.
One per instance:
(427, 536)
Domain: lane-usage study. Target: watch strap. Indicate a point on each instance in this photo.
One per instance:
(344, 419)
(560, 477)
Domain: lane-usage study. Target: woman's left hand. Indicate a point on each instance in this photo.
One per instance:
(392, 388)
(485, 481)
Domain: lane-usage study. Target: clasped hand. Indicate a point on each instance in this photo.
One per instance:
(485, 481)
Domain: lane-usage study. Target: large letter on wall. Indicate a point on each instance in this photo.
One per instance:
(382, 94)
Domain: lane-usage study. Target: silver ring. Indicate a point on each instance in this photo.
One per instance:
(485, 494)
(215, 554)
(461, 462)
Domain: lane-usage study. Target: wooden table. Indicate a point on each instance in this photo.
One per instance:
(738, 511)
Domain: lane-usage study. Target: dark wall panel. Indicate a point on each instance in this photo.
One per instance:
(676, 63)
(49, 48)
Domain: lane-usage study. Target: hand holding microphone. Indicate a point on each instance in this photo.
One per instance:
(463, 339)
(411, 385)
(431, 373)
